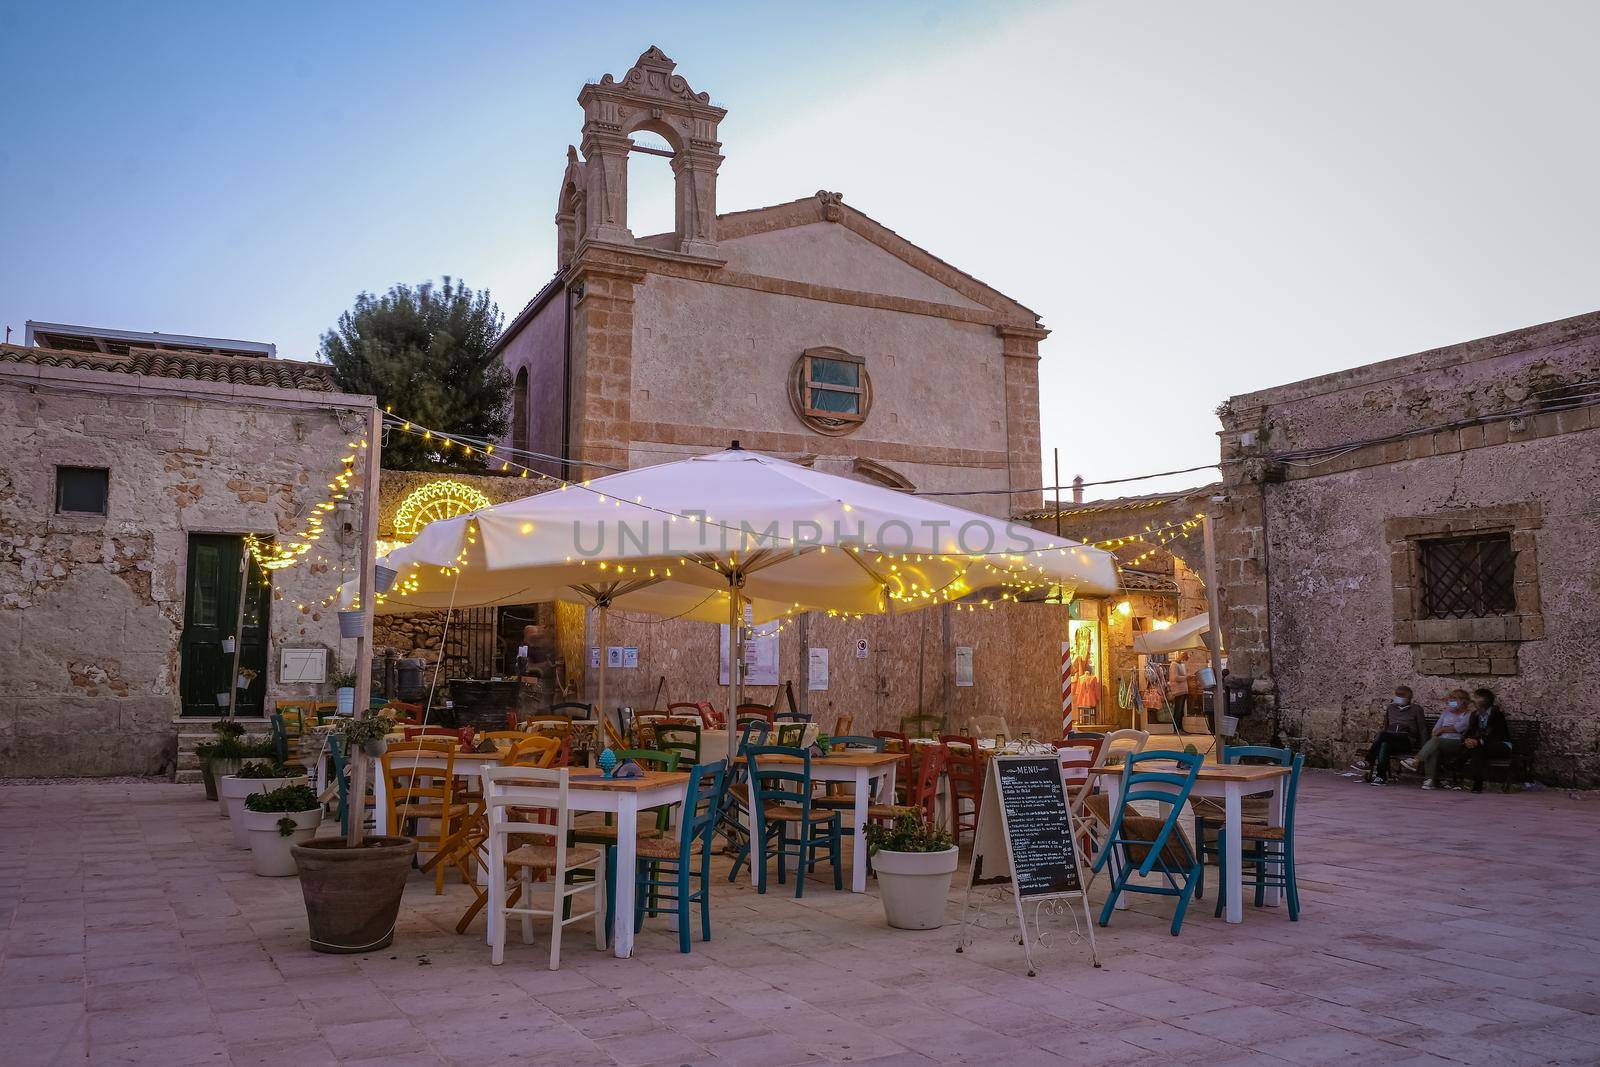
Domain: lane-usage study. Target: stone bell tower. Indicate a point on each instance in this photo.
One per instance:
(593, 205)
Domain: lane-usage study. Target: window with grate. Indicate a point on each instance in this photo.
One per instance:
(1468, 577)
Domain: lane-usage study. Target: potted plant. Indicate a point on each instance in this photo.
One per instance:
(275, 821)
(258, 777)
(344, 685)
(915, 862)
(225, 755)
(353, 884)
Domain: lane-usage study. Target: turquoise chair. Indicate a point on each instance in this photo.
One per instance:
(1208, 811)
(1144, 844)
(341, 775)
(666, 865)
(782, 797)
(1272, 851)
(735, 811)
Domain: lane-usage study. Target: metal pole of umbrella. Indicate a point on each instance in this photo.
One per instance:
(1219, 695)
(603, 605)
(735, 665)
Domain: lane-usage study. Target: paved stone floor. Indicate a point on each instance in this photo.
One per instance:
(1438, 927)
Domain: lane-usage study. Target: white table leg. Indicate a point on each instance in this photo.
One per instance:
(858, 840)
(627, 861)
(1233, 860)
(750, 830)
(1276, 805)
(380, 800)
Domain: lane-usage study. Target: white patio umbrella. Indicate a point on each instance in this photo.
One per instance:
(704, 536)
(1180, 636)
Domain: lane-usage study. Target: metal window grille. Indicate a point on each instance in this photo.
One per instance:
(1468, 577)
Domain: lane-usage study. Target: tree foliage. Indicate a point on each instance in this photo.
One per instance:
(424, 352)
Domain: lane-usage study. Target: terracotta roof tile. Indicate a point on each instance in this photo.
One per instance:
(193, 366)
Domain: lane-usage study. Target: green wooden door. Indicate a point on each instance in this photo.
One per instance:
(211, 614)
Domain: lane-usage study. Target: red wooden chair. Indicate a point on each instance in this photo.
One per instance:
(751, 712)
(964, 765)
(699, 710)
(922, 792)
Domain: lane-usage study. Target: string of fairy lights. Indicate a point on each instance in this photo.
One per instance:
(1013, 576)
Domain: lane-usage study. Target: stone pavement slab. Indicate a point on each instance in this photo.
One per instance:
(1438, 928)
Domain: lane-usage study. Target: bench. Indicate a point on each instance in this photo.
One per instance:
(1513, 767)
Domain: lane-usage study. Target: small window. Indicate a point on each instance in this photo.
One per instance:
(831, 391)
(1468, 577)
(82, 490)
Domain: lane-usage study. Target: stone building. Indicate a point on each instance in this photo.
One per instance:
(805, 330)
(1428, 521)
(135, 466)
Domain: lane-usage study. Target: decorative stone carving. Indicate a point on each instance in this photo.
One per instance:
(653, 97)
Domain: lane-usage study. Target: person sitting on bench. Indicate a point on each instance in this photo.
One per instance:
(1403, 730)
(1445, 744)
(1488, 737)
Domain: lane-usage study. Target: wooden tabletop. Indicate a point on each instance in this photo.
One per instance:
(855, 758)
(589, 778)
(1210, 772)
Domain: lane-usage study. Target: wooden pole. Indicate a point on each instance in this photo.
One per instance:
(369, 551)
(1214, 611)
(804, 628)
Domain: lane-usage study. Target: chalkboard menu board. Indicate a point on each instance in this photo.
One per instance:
(1038, 829)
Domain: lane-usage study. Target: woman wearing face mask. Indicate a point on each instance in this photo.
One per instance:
(1487, 736)
(1403, 730)
(1445, 744)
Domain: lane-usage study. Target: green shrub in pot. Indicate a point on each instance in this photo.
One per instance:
(275, 822)
(915, 862)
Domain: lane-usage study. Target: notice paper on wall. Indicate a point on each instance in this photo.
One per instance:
(817, 671)
(760, 653)
(963, 665)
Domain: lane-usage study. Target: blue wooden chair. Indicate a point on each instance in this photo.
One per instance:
(1271, 849)
(1209, 811)
(1145, 844)
(839, 794)
(666, 864)
(735, 811)
(342, 776)
(782, 798)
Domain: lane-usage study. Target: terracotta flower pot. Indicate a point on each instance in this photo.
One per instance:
(353, 894)
(915, 886)
(271, 852)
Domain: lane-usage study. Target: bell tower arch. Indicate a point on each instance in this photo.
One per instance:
(651, 96)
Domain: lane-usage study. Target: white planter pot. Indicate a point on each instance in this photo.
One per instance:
(1230, 725)
(347, 700)
(915, 886)
(231, 790)
(270, 850)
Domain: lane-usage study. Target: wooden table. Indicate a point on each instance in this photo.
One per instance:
(588, 790)
(1231, 782)
(860, 768)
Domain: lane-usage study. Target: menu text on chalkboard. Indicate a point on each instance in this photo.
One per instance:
(1038, 829)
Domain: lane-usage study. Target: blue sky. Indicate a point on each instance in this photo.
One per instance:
(1200, 199)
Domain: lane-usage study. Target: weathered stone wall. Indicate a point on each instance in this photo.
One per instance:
(1016, 665)
(1320, 582)
(91, 608)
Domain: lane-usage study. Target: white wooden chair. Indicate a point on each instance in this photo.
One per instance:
(987, 726)
(513, 813)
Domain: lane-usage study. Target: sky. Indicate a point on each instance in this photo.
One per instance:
(1199, 198)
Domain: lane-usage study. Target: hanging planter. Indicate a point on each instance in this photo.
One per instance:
(351, 623)
(383, 578)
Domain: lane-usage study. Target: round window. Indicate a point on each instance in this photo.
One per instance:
(830, 390)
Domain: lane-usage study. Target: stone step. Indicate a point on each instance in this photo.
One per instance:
(184, 777)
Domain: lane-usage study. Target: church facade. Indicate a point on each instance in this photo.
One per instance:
(806, 330)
